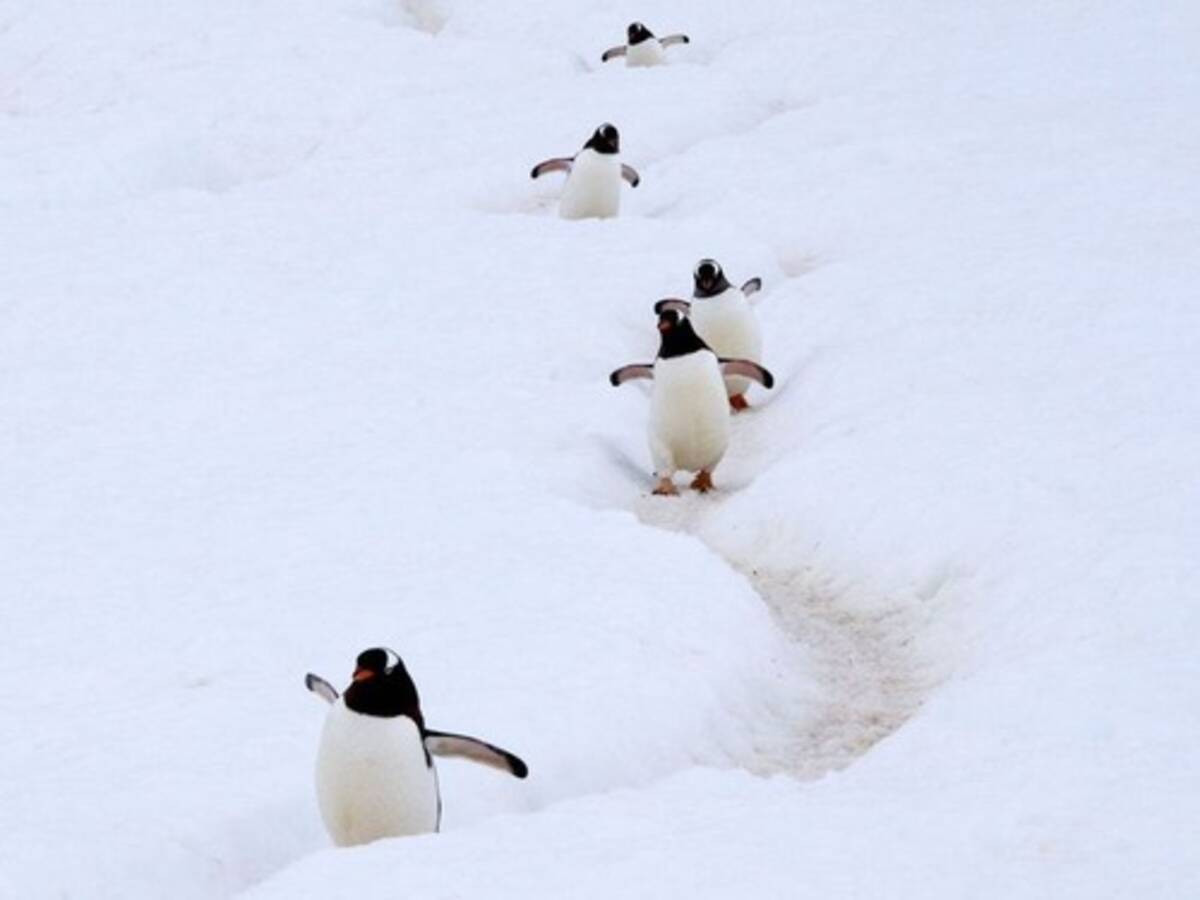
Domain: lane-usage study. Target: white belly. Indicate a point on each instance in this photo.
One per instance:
(647, 53)
(372, 778)
(689, 414)
(728, 325)
(593, 189)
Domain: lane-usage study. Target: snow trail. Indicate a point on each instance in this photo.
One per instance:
(870, 675)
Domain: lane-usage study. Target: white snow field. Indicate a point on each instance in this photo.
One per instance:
(296, 360)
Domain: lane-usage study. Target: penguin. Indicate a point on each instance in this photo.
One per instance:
(723, 317)
(375, 774)
(642, 47)
(594, 174)
(689, 414)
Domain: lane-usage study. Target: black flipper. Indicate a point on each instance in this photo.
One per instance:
(321, 687)
(443, 743)
(682, 307)
(747, 369)
(753, 286)
(630, 373)
(558, 164)
(613, 53)
(674, 39)
(629, 173)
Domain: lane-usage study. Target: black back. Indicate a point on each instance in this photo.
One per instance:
(678, 336)
(637, 32)
(709, 279)
(388, 692)
(605, 139)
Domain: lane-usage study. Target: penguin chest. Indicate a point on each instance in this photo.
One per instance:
(728, 325)
(689, 414)
(373, 778)
(647, 53)
(593, 189)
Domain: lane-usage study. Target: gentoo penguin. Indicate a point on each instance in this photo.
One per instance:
(375, 773)
(594, 174)
(689, 413)
(724, 319)
(643, 48)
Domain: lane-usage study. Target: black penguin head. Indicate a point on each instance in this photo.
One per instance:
(678, 338)
(605, 139)
(709, 278)
(637, 32)
(382, 687)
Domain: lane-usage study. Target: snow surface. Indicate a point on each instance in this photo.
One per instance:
(296, 360)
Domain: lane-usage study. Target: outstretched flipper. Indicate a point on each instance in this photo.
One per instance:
(321, 687)
(674, 39)
(442, 743)
(559, 164)
(629, 173)
(631, 372)
(613, 53)
(748, 369)
(753, 286)
(680, 306)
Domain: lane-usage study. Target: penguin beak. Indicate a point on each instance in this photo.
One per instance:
(664, 325)
(362, 674)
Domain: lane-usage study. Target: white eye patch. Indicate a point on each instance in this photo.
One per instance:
(393, 660)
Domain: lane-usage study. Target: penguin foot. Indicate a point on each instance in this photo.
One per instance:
(703, 481)
(738, 402)
(666, 488)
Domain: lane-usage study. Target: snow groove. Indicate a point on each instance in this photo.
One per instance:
(869, 675)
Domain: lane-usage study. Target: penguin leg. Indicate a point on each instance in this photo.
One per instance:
(665, 487)
(664, 467)
(703, 481)
(443, 743)
(739, 403)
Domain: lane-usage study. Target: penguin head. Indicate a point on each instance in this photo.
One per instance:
(637, 32)
(605, 139)
(381, 686)
(668, 320)
(378, 662)
(709, 279)
(678, 338)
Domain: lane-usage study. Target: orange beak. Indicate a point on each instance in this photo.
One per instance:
(362, 675)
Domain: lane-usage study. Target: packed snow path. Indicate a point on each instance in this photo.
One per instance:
(868, 674)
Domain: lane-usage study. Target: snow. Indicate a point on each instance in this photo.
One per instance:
(297, 360)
